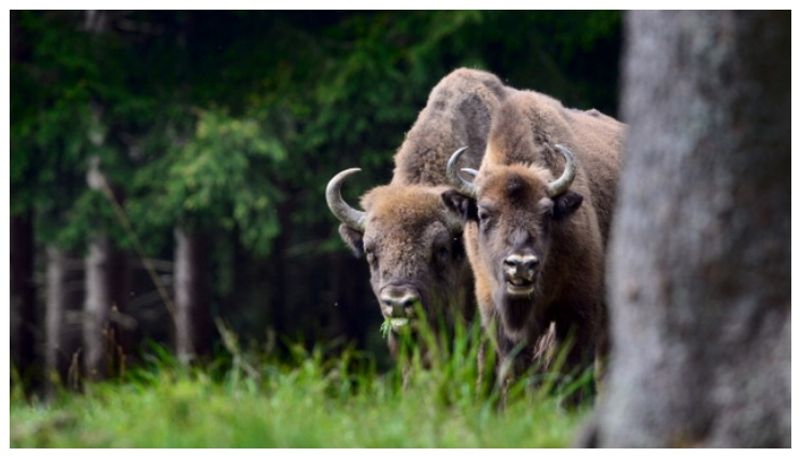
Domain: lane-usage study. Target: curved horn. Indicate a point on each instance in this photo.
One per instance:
(350, 216)
(461, 185)
(560, 185)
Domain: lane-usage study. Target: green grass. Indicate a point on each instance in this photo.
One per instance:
(314, 399)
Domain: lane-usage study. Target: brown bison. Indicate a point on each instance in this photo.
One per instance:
(411, 239)
(538, 222)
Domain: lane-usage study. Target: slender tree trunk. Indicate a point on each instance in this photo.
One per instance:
(106, 340)
(24, 315)
(106, 297)
(63, 294)
(700, 264)
(192, 295)
(55, 360)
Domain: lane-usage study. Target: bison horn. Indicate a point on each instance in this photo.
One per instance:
(462, 185)
(560, 185)
(350, 216)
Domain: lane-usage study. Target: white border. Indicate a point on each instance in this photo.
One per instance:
(305, 4)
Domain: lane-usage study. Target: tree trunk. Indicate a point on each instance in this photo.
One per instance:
(24, 314)
(63, 293)
(107, 332)
(192, 296)
(106, 296)
(699, 276)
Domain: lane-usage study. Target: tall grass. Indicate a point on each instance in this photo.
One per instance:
(323, 397)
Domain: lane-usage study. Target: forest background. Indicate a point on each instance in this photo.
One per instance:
(216, 133)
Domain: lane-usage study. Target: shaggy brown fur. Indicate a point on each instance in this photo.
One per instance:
(567, 233)
(458, 113)
(411, 239)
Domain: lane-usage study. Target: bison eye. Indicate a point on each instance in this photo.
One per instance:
(372, 258)
(484, 218)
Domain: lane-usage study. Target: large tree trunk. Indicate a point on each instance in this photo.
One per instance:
(192, 296)
(699, 276)
(24, 314)
(107, 288)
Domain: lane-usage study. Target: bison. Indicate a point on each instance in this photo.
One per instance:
(411, 239)
(538, 218)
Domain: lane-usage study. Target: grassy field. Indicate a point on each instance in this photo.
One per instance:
(321, 398)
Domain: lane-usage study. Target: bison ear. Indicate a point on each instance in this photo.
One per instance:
(353, 238)
(566, 204)
(460, 204)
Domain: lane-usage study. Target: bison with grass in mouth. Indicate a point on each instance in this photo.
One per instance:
(410, 238)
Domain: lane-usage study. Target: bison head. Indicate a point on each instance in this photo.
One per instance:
(413, 244)
(518, 208)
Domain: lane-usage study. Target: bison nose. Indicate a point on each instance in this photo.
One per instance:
(398, 301)
(518, 266)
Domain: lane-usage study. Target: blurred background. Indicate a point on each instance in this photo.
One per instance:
(168, 168)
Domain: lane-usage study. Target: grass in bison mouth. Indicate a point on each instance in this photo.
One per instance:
(393, 323)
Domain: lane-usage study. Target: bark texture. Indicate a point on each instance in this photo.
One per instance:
(192, 296)
(699, 276)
